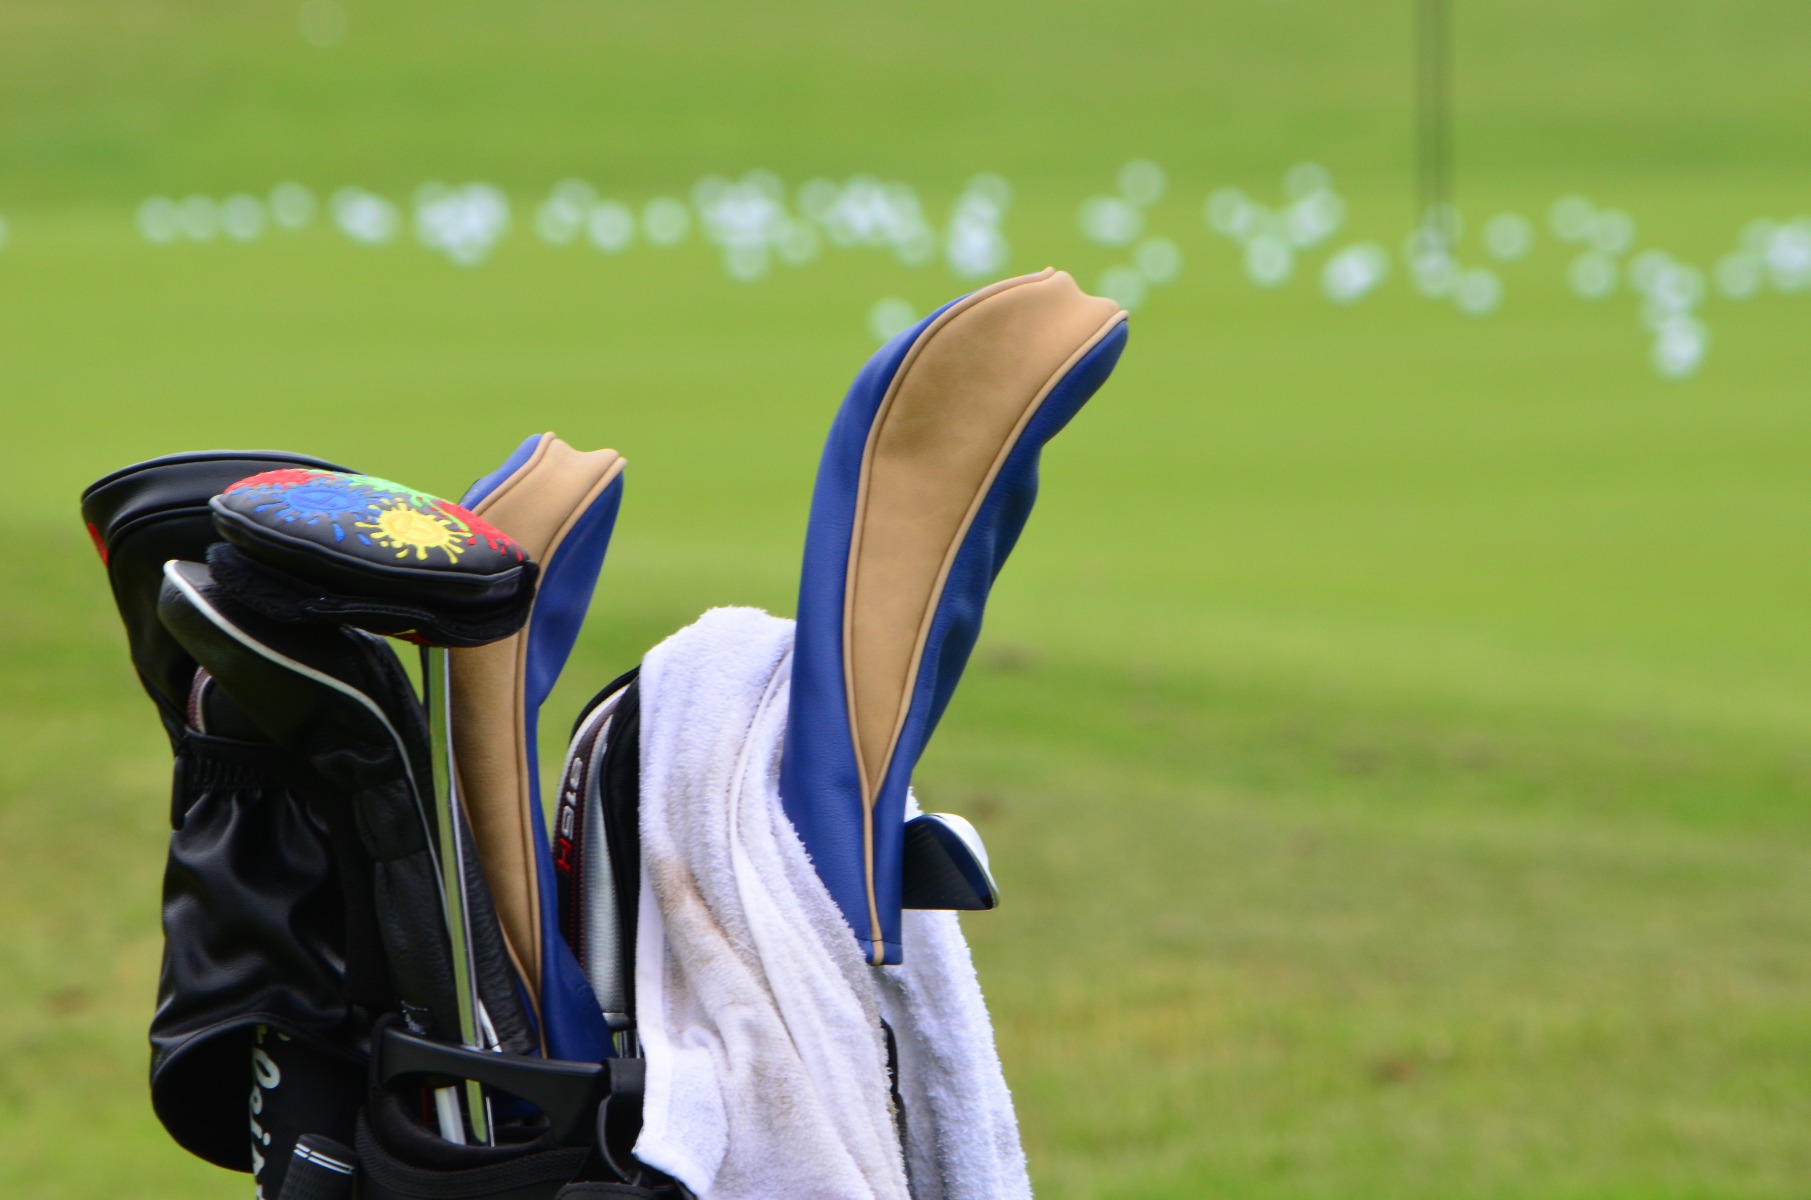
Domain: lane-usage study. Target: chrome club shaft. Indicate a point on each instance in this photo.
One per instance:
(437, 684)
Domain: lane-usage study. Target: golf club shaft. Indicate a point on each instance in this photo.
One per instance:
(437, 682)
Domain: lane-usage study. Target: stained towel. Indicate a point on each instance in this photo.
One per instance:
(759, 1017)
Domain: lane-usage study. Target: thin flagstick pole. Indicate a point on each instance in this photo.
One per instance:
(1433, 124)
(1443, 115)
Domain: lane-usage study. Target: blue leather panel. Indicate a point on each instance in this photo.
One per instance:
(488, 484)
(575, 1024)
(819, 781)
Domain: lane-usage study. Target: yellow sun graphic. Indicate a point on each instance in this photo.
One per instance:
(403, 529)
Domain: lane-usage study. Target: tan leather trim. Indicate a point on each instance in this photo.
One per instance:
(1006, 448)
(538, 506)
(521, 968)
(954, 411)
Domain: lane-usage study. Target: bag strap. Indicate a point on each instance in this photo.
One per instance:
(593, 1112)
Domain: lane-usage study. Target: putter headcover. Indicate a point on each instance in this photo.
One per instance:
(145, 514)
(926, 481)
(560, 506)
(367, 552)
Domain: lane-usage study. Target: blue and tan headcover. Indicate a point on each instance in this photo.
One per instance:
(929, 474)
(561, 505)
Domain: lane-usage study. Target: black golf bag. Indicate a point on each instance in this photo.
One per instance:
(305, 1028)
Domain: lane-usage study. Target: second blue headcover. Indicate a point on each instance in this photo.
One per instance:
(927, 478)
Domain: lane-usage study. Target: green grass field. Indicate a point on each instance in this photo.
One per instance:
(1391, 734)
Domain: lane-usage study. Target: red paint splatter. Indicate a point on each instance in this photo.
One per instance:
(499, 541)
(286, 477)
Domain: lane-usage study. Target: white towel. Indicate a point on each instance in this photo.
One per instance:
(758, 1014)
(962, 1139)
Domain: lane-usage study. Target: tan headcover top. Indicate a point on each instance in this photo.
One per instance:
(537, 506)
(955, 410)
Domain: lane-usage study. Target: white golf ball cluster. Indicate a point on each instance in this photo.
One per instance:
(1355, 272)
(573, 210)
(364, 217)
(463, 222)
(1771, 253)
(1438, 273)
(890, 317)
(1508, 237)
(1670, 291)
(1119, 220)
(754, 223)
(750, 223)
(1311, 213)
(868, 212)
(240, 217)
(1775, 253)
(752, 220)
(1604, 237)
(974, 241)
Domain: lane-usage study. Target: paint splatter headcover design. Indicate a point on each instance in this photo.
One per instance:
(329, 543)
(372, 510)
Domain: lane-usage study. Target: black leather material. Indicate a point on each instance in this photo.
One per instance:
(254, 919)
(399, 1159)
(592, 1114)
(563, 1094)
(301, 1088)
(376, 554)
(145, 514)
(254, 934)
(283, 595)
(338, 699)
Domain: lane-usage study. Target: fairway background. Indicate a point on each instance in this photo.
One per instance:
(1392, 732)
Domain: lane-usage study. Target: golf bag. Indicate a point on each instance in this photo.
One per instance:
(256, 902)
(305, 959)
(369, 929)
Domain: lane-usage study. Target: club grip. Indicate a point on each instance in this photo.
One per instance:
(320, 1169)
